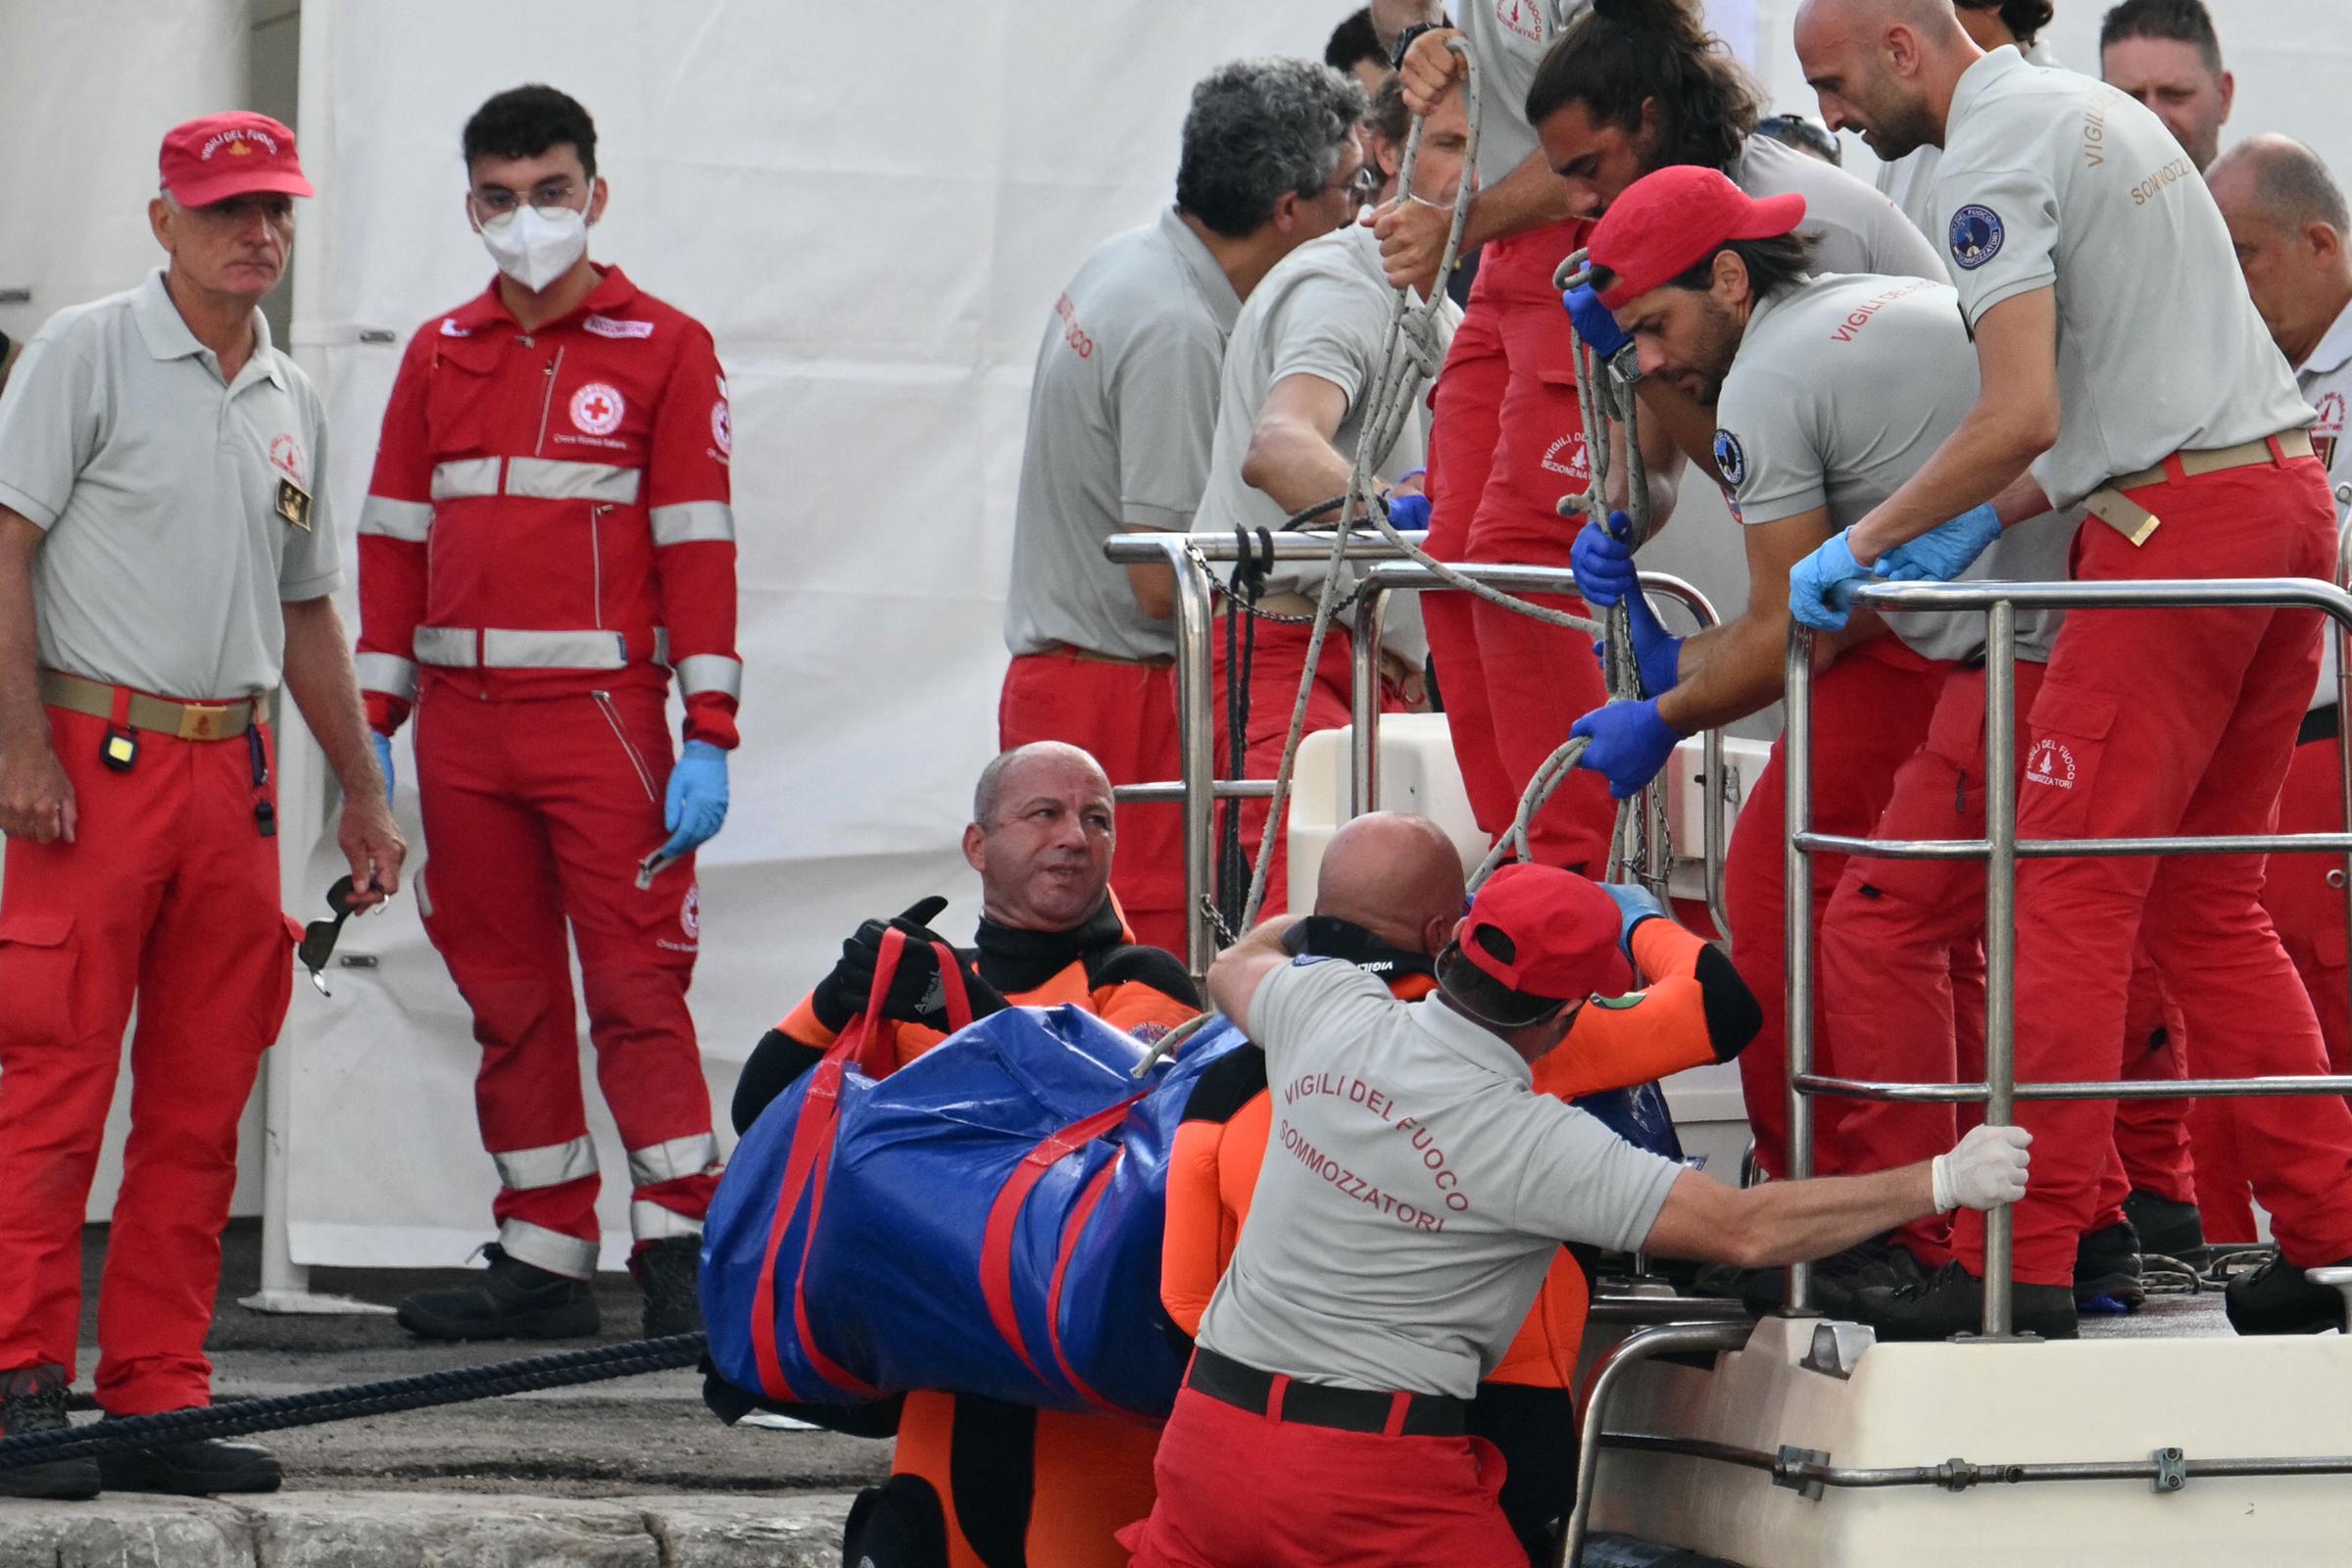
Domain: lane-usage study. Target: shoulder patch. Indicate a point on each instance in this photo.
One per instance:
(608, 327)
(1730, 459)
(450, 328)
(1976, 237)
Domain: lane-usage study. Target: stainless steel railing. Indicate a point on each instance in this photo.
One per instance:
(1198, 789)
(2001, 849)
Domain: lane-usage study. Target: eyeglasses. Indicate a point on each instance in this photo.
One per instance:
(495, 201)
(1363, 188)
(318, 937)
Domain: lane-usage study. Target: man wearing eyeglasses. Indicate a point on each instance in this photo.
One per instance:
(547, 539)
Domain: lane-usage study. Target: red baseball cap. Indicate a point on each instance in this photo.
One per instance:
(1667, 222)
(1544, 932)
(220, 156)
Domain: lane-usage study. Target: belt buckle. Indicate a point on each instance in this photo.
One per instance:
(203, 721)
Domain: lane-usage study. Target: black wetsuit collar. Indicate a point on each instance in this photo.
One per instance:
(1326, 937)
(1015, 960)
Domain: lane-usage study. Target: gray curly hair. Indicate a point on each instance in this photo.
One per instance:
(1257, 129)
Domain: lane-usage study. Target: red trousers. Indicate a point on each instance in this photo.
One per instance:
(170, 892)
(536, 815)
(2152, 1137)
(1238, 1490)
(2154, 722)
(1125, 715)
(1869, 713)
(1276, 665)
(1506, 442)
(2309, 916)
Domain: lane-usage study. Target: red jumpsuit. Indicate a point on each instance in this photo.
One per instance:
(545, 539)
(1870, 714)
(1506, 442)
(2162, 722)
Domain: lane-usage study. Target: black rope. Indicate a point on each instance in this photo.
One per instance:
(451, 1387)
(1253, 560)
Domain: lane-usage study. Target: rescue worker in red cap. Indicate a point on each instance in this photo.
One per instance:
(548, 540)
(167, 553)
(1415, 1190)
(1822, 412)
(2214, 479)
(1123, 412)
(1388, 897)
(1613, 91)
(979, 1483)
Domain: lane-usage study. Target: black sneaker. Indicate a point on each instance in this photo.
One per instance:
(2166, 1228)
(2107, 1271)
(511, 1301)
(1951, 1301)
(204, 1468)
(33, 1398)
(669, 1271)
(1838, 1279)
(2276, 1298)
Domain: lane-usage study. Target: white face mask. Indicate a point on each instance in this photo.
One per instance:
(536, 245)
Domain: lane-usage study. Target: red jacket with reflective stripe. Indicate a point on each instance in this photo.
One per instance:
(550, 511)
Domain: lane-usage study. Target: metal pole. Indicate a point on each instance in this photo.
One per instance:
(1796, 776)
(1364, 772)
(1197, 753)
(1611, 1370)
(2341, 636)
(2000, 930)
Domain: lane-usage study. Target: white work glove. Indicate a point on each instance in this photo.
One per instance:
(1987, 1168)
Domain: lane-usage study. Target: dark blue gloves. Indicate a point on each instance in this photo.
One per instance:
(1821, 587)
(1630, 744)
(1604, 563)
(1943, 551)
(1593, 322)
(384, 760)
(1408, 511)
(697, 801)
(1635, 904)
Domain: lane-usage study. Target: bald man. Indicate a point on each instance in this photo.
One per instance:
(1042, 836)
(1388, 899)
(2215, 477)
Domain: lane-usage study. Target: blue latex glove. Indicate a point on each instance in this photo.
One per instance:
(697, 802)
(1409, 511)
(383, 760)
(1635, 904)
(1630, 744)
(1603, 562)
(1821, 587)
(1943, 551)
(1593, 322)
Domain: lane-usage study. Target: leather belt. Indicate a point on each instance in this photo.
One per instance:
(2127, 517)
(1320, 1405)
(2320, 724)
(160, 715)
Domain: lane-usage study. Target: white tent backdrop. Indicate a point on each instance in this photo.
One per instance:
(873, 208)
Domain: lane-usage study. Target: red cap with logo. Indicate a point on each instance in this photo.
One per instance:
(1666, 224)
(220, 156)
(1544, 932)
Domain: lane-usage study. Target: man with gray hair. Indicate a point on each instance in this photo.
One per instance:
(1049, 1486)
(1121, 413)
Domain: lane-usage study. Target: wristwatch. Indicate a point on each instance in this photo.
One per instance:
(1404, 41)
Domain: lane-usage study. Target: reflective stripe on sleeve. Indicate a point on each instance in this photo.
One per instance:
(464, 477)
(549, 479)
(692, 522)
(522, 1170)
(710, 672)
(388, 673)
(668, 1161)
(650, 1222)
(409, 521)
(507, 648)
(552, 1250)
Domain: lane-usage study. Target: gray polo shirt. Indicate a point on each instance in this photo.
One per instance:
(1853, 229)
(1323, 311)
(1121, 411)
(2325, 379)
(1909, 182)
(1508, 39)
(2051, 180)
(1843, 388)
(1414, 1192)
(160, 490)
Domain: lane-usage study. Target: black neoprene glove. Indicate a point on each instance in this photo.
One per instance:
(917, 993)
